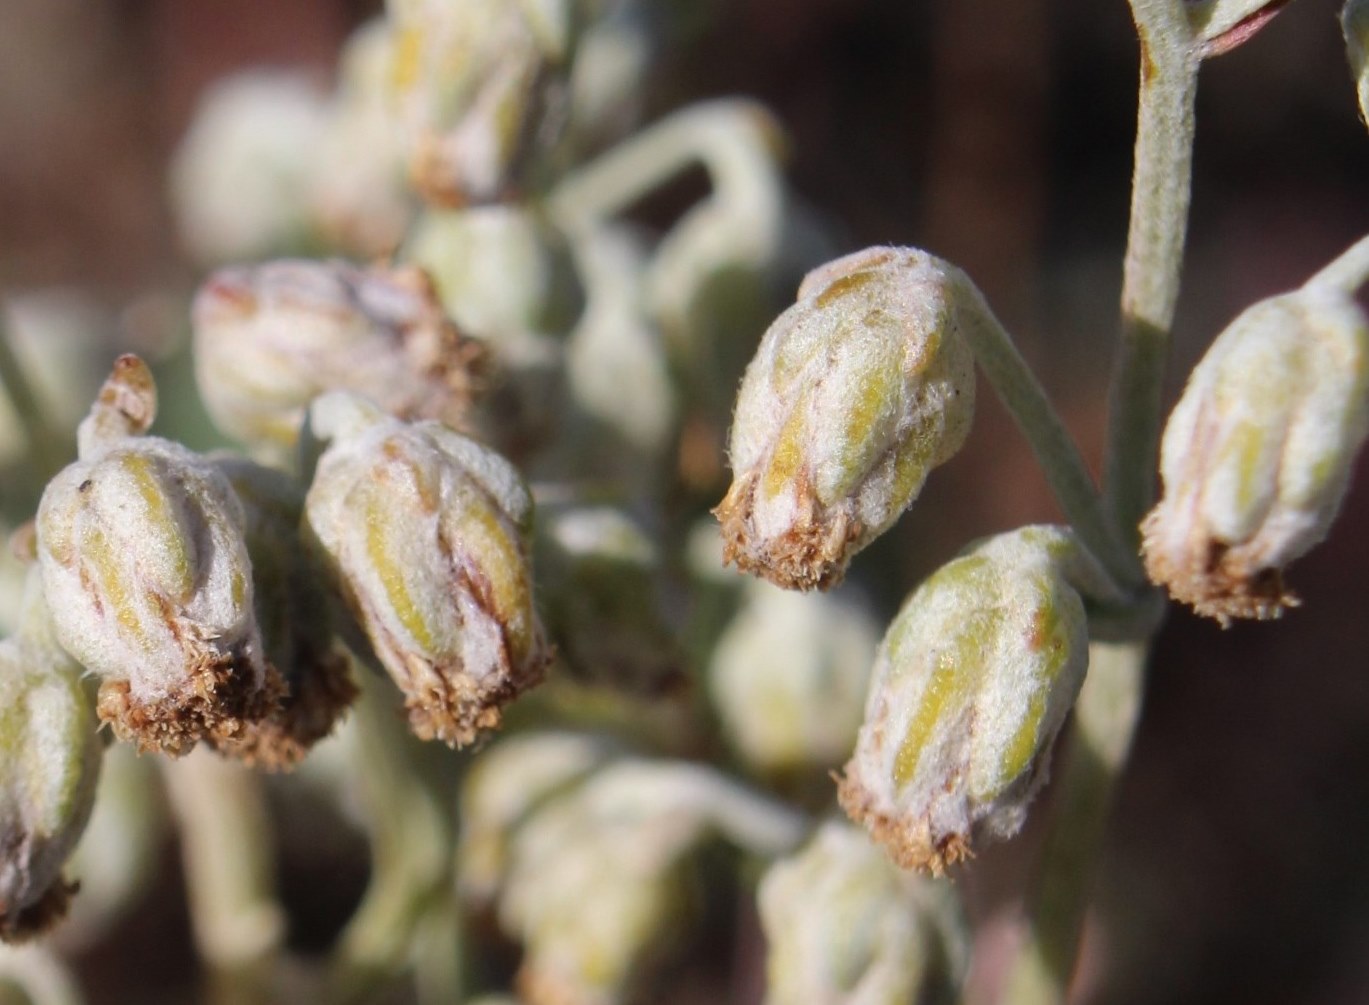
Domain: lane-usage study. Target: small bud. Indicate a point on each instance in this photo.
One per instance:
(426, 533)
(788, 678)
(1354, 21)
(475, 84)
(271, 338)
(292, 611)
(49, 764)
(1258, 452)
(972, 683)
(505, 785)
(603, 603)
(845, 927)
(141, 548)
(855, 394)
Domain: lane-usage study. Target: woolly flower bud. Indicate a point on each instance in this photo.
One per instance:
(846, 928)
(474, 82)
(972, 682)
(49, 764)
(1258, 451)
(1354, 20)
(293, 613)
(141, 548)
(270, 338)
(788, 678)
(426, 533)
(855, 394)
(504, 786)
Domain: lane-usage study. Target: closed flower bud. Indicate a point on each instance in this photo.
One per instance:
(1258, 451)
(504, 786)
(855, 394)
(293, 615)
(144, 565)
(845, 927)
(474, 83)
(271, 338)
(426, 534)
(1354, 20)
(972, 683)
(49, 764)
(788, 678)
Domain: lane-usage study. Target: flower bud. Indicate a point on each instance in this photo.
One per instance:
(141, 548)
(972, 683)
(271, 338)
(1354, 20)
(855, 394)
(1258, 451)
(49, 764)
(788, 678)
(475, 82)
(603, 603)
(293, 615)
(505, 785)
(845, 927)
(426, 534)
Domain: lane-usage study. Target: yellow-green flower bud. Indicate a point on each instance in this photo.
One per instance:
(145, 568)
(474, 82)
(604, 608)
(271, 338)
(788, 678)
(855, 394)
(504, 786)
(49, 764)
(1258, 451)
(293, 614)
(426, 533)
(845, 927)
(973, 681)
(1354, 20)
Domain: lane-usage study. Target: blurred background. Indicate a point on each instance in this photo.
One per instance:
(995, 135)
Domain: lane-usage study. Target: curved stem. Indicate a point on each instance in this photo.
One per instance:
(45, 452)
(1060, 459)
(1155, 249)
(1104, 721)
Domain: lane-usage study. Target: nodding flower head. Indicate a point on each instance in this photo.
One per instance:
(857, 391)
(426, 534)
(1257, 454)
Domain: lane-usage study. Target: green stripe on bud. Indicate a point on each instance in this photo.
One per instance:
(426, 534)
(971, 685)
(855, 394)
(1257, 453)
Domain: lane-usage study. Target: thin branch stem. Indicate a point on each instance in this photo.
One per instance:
(45, 453)
(1104, 721)
(1060, 459)
(1155, 251)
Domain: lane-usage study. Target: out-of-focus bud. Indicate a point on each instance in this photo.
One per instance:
(788, 678)
(855, 394)
(240, 177)
(1354, 20)
(479, 87)
(426, 534)
(1258, 451)
(358, 193)
(506, 277)
(504, 786)
(49, 765)
(603, 603)
(594, 886)
(292, 610)
(845, 927)
(145, 568)
(271, 338)
(973, 681)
